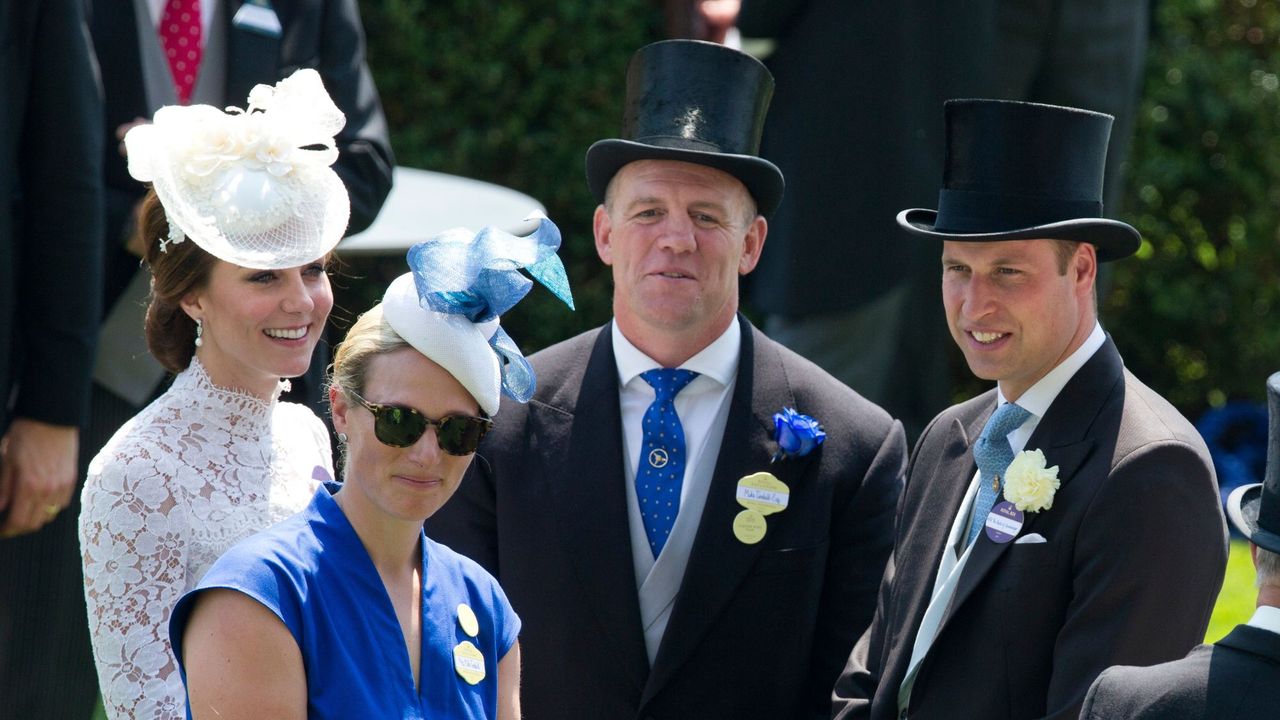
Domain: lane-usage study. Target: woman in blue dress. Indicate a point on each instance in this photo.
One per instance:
(348, 610)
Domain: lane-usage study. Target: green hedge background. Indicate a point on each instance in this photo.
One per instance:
(513, 93)
(1195, 313)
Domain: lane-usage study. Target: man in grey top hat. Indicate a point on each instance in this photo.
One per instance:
(1239, 676)
(671, 552)
(1068, 519)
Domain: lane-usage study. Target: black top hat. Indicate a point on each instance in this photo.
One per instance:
(697, 102)
(1255, 508)
(1019, 171)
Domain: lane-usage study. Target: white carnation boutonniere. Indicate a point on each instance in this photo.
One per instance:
(1028, 484)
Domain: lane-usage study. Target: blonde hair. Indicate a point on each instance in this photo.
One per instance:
(369, 337)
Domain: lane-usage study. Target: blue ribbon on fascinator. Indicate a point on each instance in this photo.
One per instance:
(478, 277)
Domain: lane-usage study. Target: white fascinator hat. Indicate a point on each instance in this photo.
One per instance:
(460, 282)
(253, 187)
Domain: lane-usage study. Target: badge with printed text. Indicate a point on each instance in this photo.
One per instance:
(1004, 522)
(467, 620)
(761, 494)
(749, 527)
(469, 663)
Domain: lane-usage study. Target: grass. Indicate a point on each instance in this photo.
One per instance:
(1235, 602)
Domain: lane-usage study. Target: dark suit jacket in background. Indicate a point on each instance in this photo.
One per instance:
(1237, 678)
(757, 631)
(50, 290)
(50, 221)
(1135, 555)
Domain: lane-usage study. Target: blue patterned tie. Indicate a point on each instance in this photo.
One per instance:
(661, 470)
(993, 453)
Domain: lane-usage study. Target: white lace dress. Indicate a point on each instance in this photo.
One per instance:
(196, 471)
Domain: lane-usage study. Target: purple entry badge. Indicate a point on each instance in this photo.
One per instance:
(1004, 522)
(321, 473)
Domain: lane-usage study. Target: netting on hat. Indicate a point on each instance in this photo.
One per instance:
(251, 187)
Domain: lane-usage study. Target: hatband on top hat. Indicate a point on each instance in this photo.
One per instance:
(1021, 171)
(695, 102)
(1255, 508)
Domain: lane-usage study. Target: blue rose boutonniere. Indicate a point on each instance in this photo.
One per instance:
(797, 435)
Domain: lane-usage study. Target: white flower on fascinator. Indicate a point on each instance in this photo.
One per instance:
(252, 187)
(260, 97)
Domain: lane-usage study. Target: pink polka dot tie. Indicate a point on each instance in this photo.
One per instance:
(660, 474)
(183, 44)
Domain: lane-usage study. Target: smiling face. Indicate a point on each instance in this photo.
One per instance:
(1011, 310)
(677, 236)
(260, 325)
(390, 483)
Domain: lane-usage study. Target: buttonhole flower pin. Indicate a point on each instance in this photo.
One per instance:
(1028, 484)
(796, 434)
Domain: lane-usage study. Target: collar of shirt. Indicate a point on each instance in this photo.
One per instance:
(1037, 399)
(717, 362)
(1266, 618)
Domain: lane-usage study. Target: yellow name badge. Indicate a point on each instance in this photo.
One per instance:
(749, 527)
(467, 620)
(761, 494)
(468, 661)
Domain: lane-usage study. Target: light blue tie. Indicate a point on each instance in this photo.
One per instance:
(993, 453)
(661, 470)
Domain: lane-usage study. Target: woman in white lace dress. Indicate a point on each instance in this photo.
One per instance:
(237, 229)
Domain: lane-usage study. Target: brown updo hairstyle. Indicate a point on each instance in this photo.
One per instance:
(178, 270)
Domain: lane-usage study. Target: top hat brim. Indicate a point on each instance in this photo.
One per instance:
(1242, 507)
(1114, 239)
(763, 179)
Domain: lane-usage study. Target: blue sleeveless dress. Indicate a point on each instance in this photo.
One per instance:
(312, 571)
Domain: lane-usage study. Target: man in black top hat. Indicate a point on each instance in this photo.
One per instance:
(1239, 677)
(659, 571)
(1067, 520)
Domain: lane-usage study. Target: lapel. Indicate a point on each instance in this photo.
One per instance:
(718, 561)
(253, 58)
(590, 502)
(1066, 436)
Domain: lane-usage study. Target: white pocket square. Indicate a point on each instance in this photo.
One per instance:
(1031, 539)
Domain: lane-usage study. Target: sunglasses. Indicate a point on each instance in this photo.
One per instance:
(400, 427)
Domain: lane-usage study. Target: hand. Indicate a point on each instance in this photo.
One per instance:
(37, 474)
(136, 243)
(718, 16)
(120, 133)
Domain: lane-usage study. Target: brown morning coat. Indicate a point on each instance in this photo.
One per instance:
(1135, 555)
(757, 631)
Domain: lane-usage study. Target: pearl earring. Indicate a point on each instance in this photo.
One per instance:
(342, 438)
(199, 332)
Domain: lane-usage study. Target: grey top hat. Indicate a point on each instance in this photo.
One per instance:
(1255, 509)
(696, 102)
(1022, 171)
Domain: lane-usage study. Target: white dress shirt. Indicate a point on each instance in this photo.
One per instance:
(1036, 401)
(1266, 617)
(703, 409)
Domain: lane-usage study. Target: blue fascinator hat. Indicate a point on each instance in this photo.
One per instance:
(460, 282)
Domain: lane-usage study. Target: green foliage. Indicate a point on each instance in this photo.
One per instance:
(512, 93)
(1194, 311)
